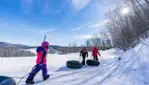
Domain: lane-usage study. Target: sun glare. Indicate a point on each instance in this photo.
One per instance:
(125, 10)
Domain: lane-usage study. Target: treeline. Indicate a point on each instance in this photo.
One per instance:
(127, 29)
(66, 50)
(101, 41)
(15, 52)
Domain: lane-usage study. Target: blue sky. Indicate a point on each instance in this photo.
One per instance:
(63, 21)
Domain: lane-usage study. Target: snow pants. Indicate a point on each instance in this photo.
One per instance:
(95, 58)
(83, 61)
(36, 70)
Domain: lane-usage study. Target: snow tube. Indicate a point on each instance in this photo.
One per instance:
(73, 64)
(92, 63)
(7, 81)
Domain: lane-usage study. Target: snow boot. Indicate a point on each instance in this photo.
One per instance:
(83, 62)
(28, 81)
(46, 77)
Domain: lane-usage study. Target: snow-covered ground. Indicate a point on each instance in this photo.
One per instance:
(133, 69)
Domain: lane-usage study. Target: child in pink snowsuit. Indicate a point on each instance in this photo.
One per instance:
(41, 63)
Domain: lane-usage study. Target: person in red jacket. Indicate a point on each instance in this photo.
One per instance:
(95, 53)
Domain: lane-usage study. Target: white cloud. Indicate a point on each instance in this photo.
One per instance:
(83, 36)
(39, 31)
(45, 31)
(76, 29)
(79, 4)
(80, 27)
(101, 23)
(36, 31)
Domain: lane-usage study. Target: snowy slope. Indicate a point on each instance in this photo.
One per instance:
(133, 69)
(18, 67)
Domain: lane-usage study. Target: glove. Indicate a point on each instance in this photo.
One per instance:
(40, 65)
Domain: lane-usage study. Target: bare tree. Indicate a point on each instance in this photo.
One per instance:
(88, 44)
(127, 29)
(100, 40)
(73, 47)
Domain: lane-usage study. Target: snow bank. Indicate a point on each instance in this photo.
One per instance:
(134, 67)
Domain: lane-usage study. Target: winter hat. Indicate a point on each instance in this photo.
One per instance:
(44, 44)
(84, 48)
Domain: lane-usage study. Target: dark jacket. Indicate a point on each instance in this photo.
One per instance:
(84, 53)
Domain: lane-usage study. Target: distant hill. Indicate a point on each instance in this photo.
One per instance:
(5, 44)
(52, 49)
(14, 50)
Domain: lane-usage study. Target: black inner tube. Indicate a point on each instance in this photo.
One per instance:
(7, 81)
(2, 78)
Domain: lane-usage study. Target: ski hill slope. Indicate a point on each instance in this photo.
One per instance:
(132, 69)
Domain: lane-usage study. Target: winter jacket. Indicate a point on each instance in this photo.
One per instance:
(41, 55)
(84, 53)
(95, 52)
